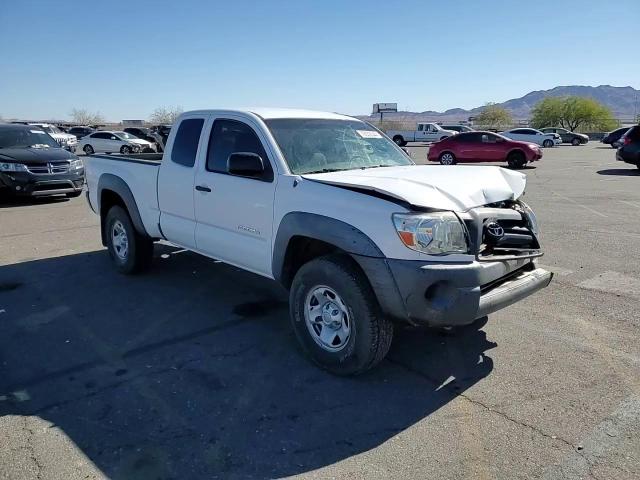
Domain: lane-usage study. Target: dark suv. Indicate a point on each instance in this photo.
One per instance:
(80, 132)
(567, 136)
(613, 138)
(32, 163)
(629, 151)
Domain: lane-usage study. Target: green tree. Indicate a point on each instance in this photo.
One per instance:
(572, 113)
(494, 116)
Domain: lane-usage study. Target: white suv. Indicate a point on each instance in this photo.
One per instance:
(66, 140)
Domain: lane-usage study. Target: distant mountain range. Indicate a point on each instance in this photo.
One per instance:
(624, 102)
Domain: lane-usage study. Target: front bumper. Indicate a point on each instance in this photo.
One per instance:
(36, 185)
(447, 295)
(452, 295)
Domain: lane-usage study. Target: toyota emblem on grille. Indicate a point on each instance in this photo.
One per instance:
(494, 230)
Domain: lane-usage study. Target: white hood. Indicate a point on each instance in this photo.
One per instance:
(139, 141)
(457, 188)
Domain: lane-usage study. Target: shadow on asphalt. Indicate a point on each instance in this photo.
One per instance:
(625, 172)
(7, 201)
(191, 371)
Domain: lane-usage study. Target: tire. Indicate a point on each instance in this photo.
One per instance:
(516, 160)
(575, 142)
(547, 143)
(399, 140)
(88, 149)
(73, 194)
(136, 253)
(342, 295)
(125, 150)
(447, 158)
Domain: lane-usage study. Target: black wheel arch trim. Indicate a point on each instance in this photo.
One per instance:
(118, 186)
(349, 239)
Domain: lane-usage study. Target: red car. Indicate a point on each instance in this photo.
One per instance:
(483, 147)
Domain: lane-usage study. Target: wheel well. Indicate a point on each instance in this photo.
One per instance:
(108, 199)
(516, 151)
(301, 250)
(446, 151)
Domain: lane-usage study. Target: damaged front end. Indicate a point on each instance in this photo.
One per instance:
(506, 230)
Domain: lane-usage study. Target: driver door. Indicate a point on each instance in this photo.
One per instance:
(234, 214)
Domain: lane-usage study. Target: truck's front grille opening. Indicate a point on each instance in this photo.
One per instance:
(503, 233)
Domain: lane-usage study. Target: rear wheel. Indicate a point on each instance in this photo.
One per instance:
(516, 160)
(547, 143)
(399, 140)
(88, 149)
(447, 158)
(575, 142)
(130, 251)
(336, 316)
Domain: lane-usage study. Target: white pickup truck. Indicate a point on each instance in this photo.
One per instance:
(333, 210)
(424, 132)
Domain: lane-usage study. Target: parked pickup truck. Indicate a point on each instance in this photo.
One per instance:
(424, 132)
(333, 210)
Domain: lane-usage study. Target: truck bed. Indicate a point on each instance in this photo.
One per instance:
(152, 158)
(140, 174)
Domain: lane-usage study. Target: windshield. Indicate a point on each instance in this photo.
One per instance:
(49, 129)
(319, 145)
(25, 138)
(126, 136)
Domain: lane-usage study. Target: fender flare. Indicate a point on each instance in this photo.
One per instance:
(351, 240)
(117, 185)
(327, 229)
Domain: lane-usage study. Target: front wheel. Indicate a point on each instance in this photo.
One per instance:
(547, 143)
(516, 160)
(130, 251)
(125, 150)
(336, 316)
(447, 158)
(575, 142)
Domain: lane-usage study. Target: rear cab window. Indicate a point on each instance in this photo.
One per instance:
(185, 144)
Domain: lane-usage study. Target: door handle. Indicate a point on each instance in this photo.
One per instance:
(203, 188)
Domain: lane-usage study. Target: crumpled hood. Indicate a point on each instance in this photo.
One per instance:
(457, 188)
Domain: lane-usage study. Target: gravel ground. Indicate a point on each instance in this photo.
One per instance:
(191, 371)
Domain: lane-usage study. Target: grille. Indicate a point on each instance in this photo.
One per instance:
(48, 168)
(517, 240)
(45, 187)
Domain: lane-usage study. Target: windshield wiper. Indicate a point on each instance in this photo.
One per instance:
(323, 170)
(375, 166)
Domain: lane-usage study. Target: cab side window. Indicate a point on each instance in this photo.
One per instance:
(232, 136)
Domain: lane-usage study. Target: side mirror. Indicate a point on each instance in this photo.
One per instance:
(245, 164)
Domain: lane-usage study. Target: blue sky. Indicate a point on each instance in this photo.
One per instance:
(125, 58)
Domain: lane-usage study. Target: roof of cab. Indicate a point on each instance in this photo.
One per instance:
(272, 113)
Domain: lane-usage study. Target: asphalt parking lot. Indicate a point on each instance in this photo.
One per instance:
(191, 371)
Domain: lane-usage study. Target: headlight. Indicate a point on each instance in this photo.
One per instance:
(12, 167)
(531, 218)
(435, 233)
(76, 164)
